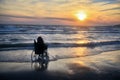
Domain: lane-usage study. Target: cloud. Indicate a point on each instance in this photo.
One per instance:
(116, 14)
(56, 18)
(32, 17)
(117, 8)
(110, 1)
(37, 1)
(107, 3)
(15, 16)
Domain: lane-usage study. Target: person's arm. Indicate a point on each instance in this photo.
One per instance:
(35, 41)
(35, 45)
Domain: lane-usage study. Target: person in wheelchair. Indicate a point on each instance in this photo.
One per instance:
(40, 47)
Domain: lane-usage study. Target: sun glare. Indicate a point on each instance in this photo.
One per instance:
(81, 15)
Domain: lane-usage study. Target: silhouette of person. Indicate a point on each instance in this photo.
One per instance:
(40, 47)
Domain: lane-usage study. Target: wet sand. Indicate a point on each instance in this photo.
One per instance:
(104, 66)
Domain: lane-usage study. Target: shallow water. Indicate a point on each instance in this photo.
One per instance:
(104, 66)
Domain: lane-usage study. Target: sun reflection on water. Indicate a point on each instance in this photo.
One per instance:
(81, 51)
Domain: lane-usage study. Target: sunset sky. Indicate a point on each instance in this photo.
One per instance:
(60, 12)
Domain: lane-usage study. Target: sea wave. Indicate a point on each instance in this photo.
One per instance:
(19, 46)
(54, 32)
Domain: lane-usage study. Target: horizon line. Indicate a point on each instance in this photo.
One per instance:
(54, 24)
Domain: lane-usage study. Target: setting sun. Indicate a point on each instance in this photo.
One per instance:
(81, 15)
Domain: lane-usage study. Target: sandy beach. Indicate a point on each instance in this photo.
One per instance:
(104, 66)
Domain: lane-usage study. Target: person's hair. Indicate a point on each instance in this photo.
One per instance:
(40, 40)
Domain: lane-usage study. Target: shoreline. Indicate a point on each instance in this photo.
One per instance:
(104, 66)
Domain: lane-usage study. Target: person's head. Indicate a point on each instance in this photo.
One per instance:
(40, 40)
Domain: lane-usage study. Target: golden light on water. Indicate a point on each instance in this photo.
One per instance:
(81, 15)
(81, 51)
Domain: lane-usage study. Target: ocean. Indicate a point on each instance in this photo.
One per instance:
(16, 41)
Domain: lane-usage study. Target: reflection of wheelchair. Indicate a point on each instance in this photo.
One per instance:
(39, 65)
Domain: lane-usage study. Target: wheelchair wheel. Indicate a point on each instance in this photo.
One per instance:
(34, 57)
